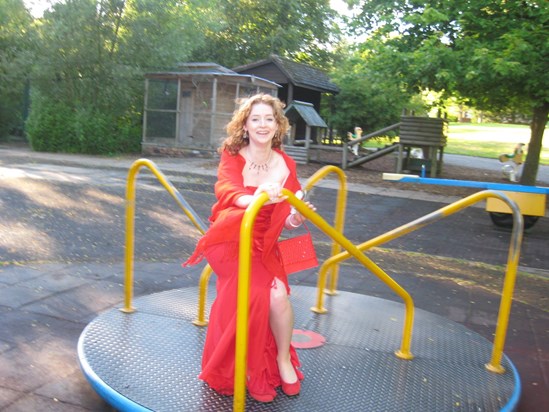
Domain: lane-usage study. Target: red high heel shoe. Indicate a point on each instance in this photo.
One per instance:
(265, 398)
(291, 389)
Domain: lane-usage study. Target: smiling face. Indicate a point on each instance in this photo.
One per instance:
(261, 124)
(242, 124)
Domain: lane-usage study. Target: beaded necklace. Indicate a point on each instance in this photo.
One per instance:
(259, 167)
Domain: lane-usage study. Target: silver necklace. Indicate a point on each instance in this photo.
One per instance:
(259, 167)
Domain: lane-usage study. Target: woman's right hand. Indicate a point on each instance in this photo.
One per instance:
(273, 190)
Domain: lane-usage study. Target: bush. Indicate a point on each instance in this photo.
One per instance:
(55, 127)
(9, 121)
(46, 127)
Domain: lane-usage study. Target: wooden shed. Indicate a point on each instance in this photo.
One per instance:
(305, 113)
(187, 109)
(298, 81)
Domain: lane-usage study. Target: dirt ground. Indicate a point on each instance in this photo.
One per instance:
(533, 290)
(530, 289)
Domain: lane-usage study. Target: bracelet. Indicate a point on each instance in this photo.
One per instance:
(291, 223)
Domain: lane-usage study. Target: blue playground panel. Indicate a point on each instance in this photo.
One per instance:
(466, 183)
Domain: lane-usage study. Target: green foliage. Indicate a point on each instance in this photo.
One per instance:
(89, 72)
(368, 97)
(16, 38)
(46, 126)
(248, 31)
(162, 33)
(493, 53)
(56, 127)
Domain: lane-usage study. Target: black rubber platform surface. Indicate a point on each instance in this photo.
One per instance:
(151, 359)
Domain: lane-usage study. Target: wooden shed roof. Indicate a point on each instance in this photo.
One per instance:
(210, 70)
(307, 112)
(300, 74)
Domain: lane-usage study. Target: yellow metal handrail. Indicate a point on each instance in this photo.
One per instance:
(510, 276)
(244, 264)
(337, 235)
(339, 222)
(339, 219)
(243, 298)
(202, 292)
(130, 221)
(404, 351)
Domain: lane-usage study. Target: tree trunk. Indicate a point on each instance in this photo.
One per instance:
(531, 165)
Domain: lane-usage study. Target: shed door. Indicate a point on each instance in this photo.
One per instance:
(186, 118)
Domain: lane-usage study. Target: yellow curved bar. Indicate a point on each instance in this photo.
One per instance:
(130, 222)
(339, 220)
(404, 351)
(508, 288)
(243, 297)
(174, 193)
(510, 276)
(244, 264)
(129, 249)
(202, 291)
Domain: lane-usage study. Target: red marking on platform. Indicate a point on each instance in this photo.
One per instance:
(307, 339)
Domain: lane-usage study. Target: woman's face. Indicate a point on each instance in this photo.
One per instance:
(261, 124)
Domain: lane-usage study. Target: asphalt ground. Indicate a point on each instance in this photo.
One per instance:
(61, 264)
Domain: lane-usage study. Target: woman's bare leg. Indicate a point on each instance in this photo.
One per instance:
(281, 317)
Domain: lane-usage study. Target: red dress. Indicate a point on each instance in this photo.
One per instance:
(220, 247)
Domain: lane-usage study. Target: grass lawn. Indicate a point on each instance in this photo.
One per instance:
(490, 140)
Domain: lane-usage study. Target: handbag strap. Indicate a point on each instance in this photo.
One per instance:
(305, 227)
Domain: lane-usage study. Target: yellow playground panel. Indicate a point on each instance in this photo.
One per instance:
(530, 204)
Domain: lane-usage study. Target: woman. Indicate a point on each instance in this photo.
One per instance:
(252, 163)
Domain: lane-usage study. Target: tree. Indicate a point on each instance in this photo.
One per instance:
(368, 97)
(16, 35)
(493, 52)
(252, 30)
(88, 77)
(162, 33)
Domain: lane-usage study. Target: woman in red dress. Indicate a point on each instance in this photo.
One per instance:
(252, 162)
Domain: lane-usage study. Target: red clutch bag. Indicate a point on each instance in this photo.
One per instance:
(298, 253)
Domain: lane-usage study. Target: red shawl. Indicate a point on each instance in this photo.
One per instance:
(226, 217)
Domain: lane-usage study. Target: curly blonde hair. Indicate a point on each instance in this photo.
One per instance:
(235, 139)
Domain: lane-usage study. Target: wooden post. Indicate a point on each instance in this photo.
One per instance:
(344, 156)
(307, 143)
(399, 158)
(145, 111)
(213, 111)
(177, 137)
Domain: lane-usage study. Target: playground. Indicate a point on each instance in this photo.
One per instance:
(437, 286)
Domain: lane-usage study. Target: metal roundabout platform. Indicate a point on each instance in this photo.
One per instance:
(150, 359)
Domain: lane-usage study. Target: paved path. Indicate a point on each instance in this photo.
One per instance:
(62, 233)
(490, 164)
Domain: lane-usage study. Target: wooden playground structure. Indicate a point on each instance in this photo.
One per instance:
(426, 135)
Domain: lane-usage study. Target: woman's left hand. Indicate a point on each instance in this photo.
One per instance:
(296, 219)
(300, 216)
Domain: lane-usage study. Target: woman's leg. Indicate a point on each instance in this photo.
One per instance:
(281, 319)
